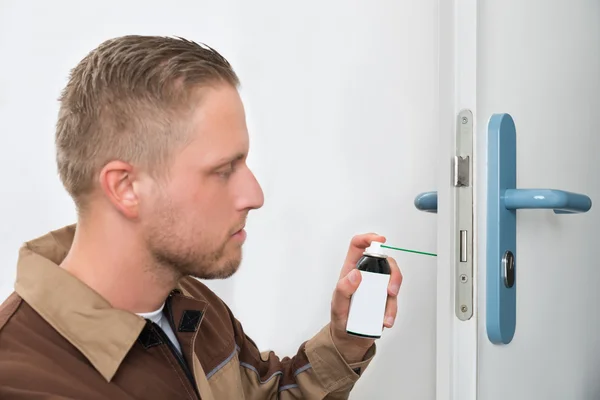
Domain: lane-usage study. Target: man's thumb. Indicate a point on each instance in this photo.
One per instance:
(343, 291)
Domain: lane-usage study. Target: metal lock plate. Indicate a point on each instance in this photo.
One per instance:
(463, 196)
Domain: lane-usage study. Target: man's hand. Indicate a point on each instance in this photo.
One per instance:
(353, 348)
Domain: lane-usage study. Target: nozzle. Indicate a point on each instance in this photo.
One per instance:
(375, 250)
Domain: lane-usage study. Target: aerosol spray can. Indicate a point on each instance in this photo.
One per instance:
(367, 305)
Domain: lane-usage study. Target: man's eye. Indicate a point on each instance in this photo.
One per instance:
(226, 173)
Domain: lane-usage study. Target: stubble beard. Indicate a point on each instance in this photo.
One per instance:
(188, 261)
(183, 252)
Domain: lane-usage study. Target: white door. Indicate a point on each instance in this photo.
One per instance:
(534, 64)
(540, 62)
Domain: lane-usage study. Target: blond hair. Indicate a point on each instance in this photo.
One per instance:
(127, 100)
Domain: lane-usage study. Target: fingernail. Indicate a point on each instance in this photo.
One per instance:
(394, 289)
(389, 321)
(353, 276)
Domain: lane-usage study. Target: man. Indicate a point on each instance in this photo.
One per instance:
(151, 145)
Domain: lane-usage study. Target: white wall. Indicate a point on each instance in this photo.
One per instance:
(338, 93)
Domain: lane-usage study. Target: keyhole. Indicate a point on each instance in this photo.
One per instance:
(508, 269)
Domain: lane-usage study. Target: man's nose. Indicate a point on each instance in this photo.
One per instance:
(253, 196)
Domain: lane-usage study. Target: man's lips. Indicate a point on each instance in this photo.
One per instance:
(239, 231)
(240, 235)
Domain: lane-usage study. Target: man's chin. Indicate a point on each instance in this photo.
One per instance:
(223, 271)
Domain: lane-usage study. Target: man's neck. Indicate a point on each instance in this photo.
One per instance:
(118, 267)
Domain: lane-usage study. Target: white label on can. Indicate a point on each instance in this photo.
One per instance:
(367, 305)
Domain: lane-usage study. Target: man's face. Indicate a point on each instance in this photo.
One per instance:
(194, 221)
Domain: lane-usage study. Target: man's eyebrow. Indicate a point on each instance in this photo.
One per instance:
(228, 160)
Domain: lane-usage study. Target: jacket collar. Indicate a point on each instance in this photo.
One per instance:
(103, 334)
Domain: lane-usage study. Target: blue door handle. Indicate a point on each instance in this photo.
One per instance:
(560, 201)
(504, 199)
(427, 202)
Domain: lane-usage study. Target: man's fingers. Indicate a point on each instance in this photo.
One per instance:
(391, 309)
(358, 244)
(340, 304)
(395, 278)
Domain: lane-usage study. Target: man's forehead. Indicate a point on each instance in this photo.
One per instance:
(219, 115)
(213, 142)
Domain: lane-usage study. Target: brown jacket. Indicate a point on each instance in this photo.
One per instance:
(60, 340)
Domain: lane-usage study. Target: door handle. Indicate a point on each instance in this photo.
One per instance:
(427, 202)
(560, 201)
(504, 199)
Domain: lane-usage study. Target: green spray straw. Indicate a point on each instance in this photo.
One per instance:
(409, 251)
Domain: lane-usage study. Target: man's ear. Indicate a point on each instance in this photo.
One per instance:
(117, 180)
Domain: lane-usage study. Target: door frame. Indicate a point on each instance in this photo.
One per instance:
(456, 340)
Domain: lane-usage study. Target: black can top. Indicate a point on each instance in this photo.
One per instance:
(377, 265)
